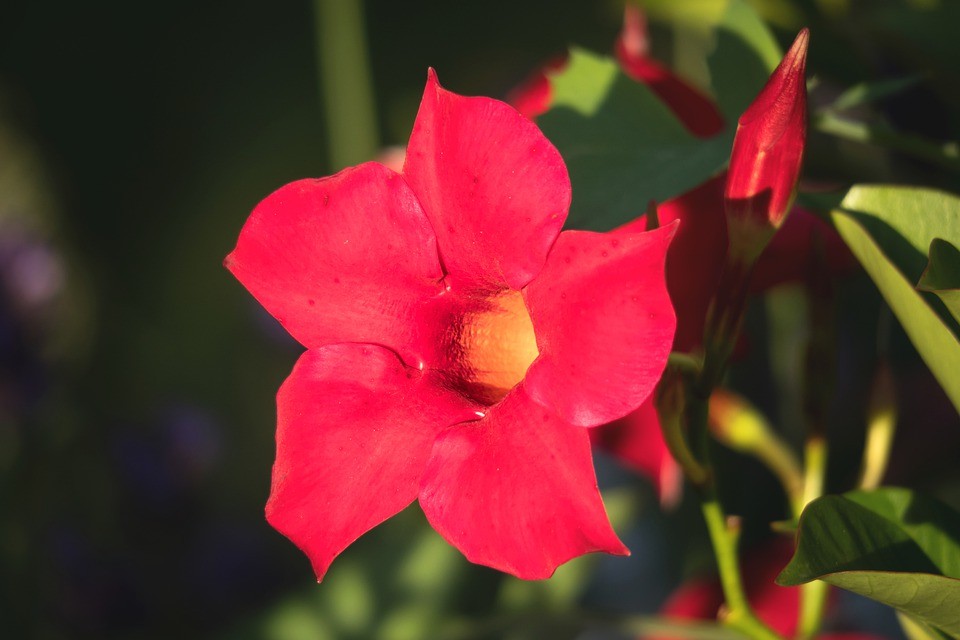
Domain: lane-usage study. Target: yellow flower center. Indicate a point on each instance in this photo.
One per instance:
(498, 345)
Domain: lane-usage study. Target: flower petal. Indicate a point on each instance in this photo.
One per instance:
(794, 250)
(604, 324)
(695, 257)
(349, 258)
(495, 189)
(637, 441)
(354, 431)
(516, 491)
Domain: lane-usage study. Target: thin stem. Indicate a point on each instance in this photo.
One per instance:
(813, 603)
(720, 335)
(735, 422)
(670, 396)
(725, 536)
(815, 461)
(946, 154)
(684, 363)
(780, 459)
(813, 595)
(345, 82)
(881, 428)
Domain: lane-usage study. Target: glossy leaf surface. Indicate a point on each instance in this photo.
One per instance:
(892, 545)
(942, 275)
(889, 230)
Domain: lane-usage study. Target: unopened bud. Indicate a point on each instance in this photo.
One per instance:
(766, 156)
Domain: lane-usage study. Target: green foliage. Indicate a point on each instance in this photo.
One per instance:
(942, 275)
(889, 229)
(893, 545)
(622, 145)
(745, 55)
(867, 92)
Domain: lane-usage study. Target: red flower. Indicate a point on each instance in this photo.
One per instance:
(457, 341)
(766, 156)
(697, 254)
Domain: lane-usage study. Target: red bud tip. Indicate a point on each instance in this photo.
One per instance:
(767, 153)
(633, 37)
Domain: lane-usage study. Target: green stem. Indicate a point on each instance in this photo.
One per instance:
(779, 458)
(881, 428)
(722, 329)
(813, 595)
(725, 536)
(815, 462)
(946, 155)
(345, 82)
(684, 363)
(671, 407)
(742, 427)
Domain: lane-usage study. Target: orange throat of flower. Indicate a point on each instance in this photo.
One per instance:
(497, 346)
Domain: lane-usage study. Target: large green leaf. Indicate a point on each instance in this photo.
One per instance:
(942, 275)
(865, 234)
(903, 221)
(895, 546)
(623, 147)
(745, 56)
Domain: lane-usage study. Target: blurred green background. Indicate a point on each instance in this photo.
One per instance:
(137, 378)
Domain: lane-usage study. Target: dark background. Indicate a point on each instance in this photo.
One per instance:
(137, 382)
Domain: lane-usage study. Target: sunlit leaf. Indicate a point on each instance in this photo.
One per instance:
(892, 545)
(904, 221)
(745, 55)
(622, 145)
(916, 630)
(888, 229)
(942, 275)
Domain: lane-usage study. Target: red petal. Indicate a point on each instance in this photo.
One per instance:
(695, 110)
(516, 491)
(354, 431)
(604, 324)
(342, 259)
(495, 189)
(791, 253)
(695, 257)
(637, 441)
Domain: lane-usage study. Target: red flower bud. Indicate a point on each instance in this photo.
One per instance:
(766, 156)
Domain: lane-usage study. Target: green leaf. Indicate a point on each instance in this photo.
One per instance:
(889, 230)
(622, 145)
(905, 220)
(892, 545)
(916, 630)
(942, 275)
(745, 55)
